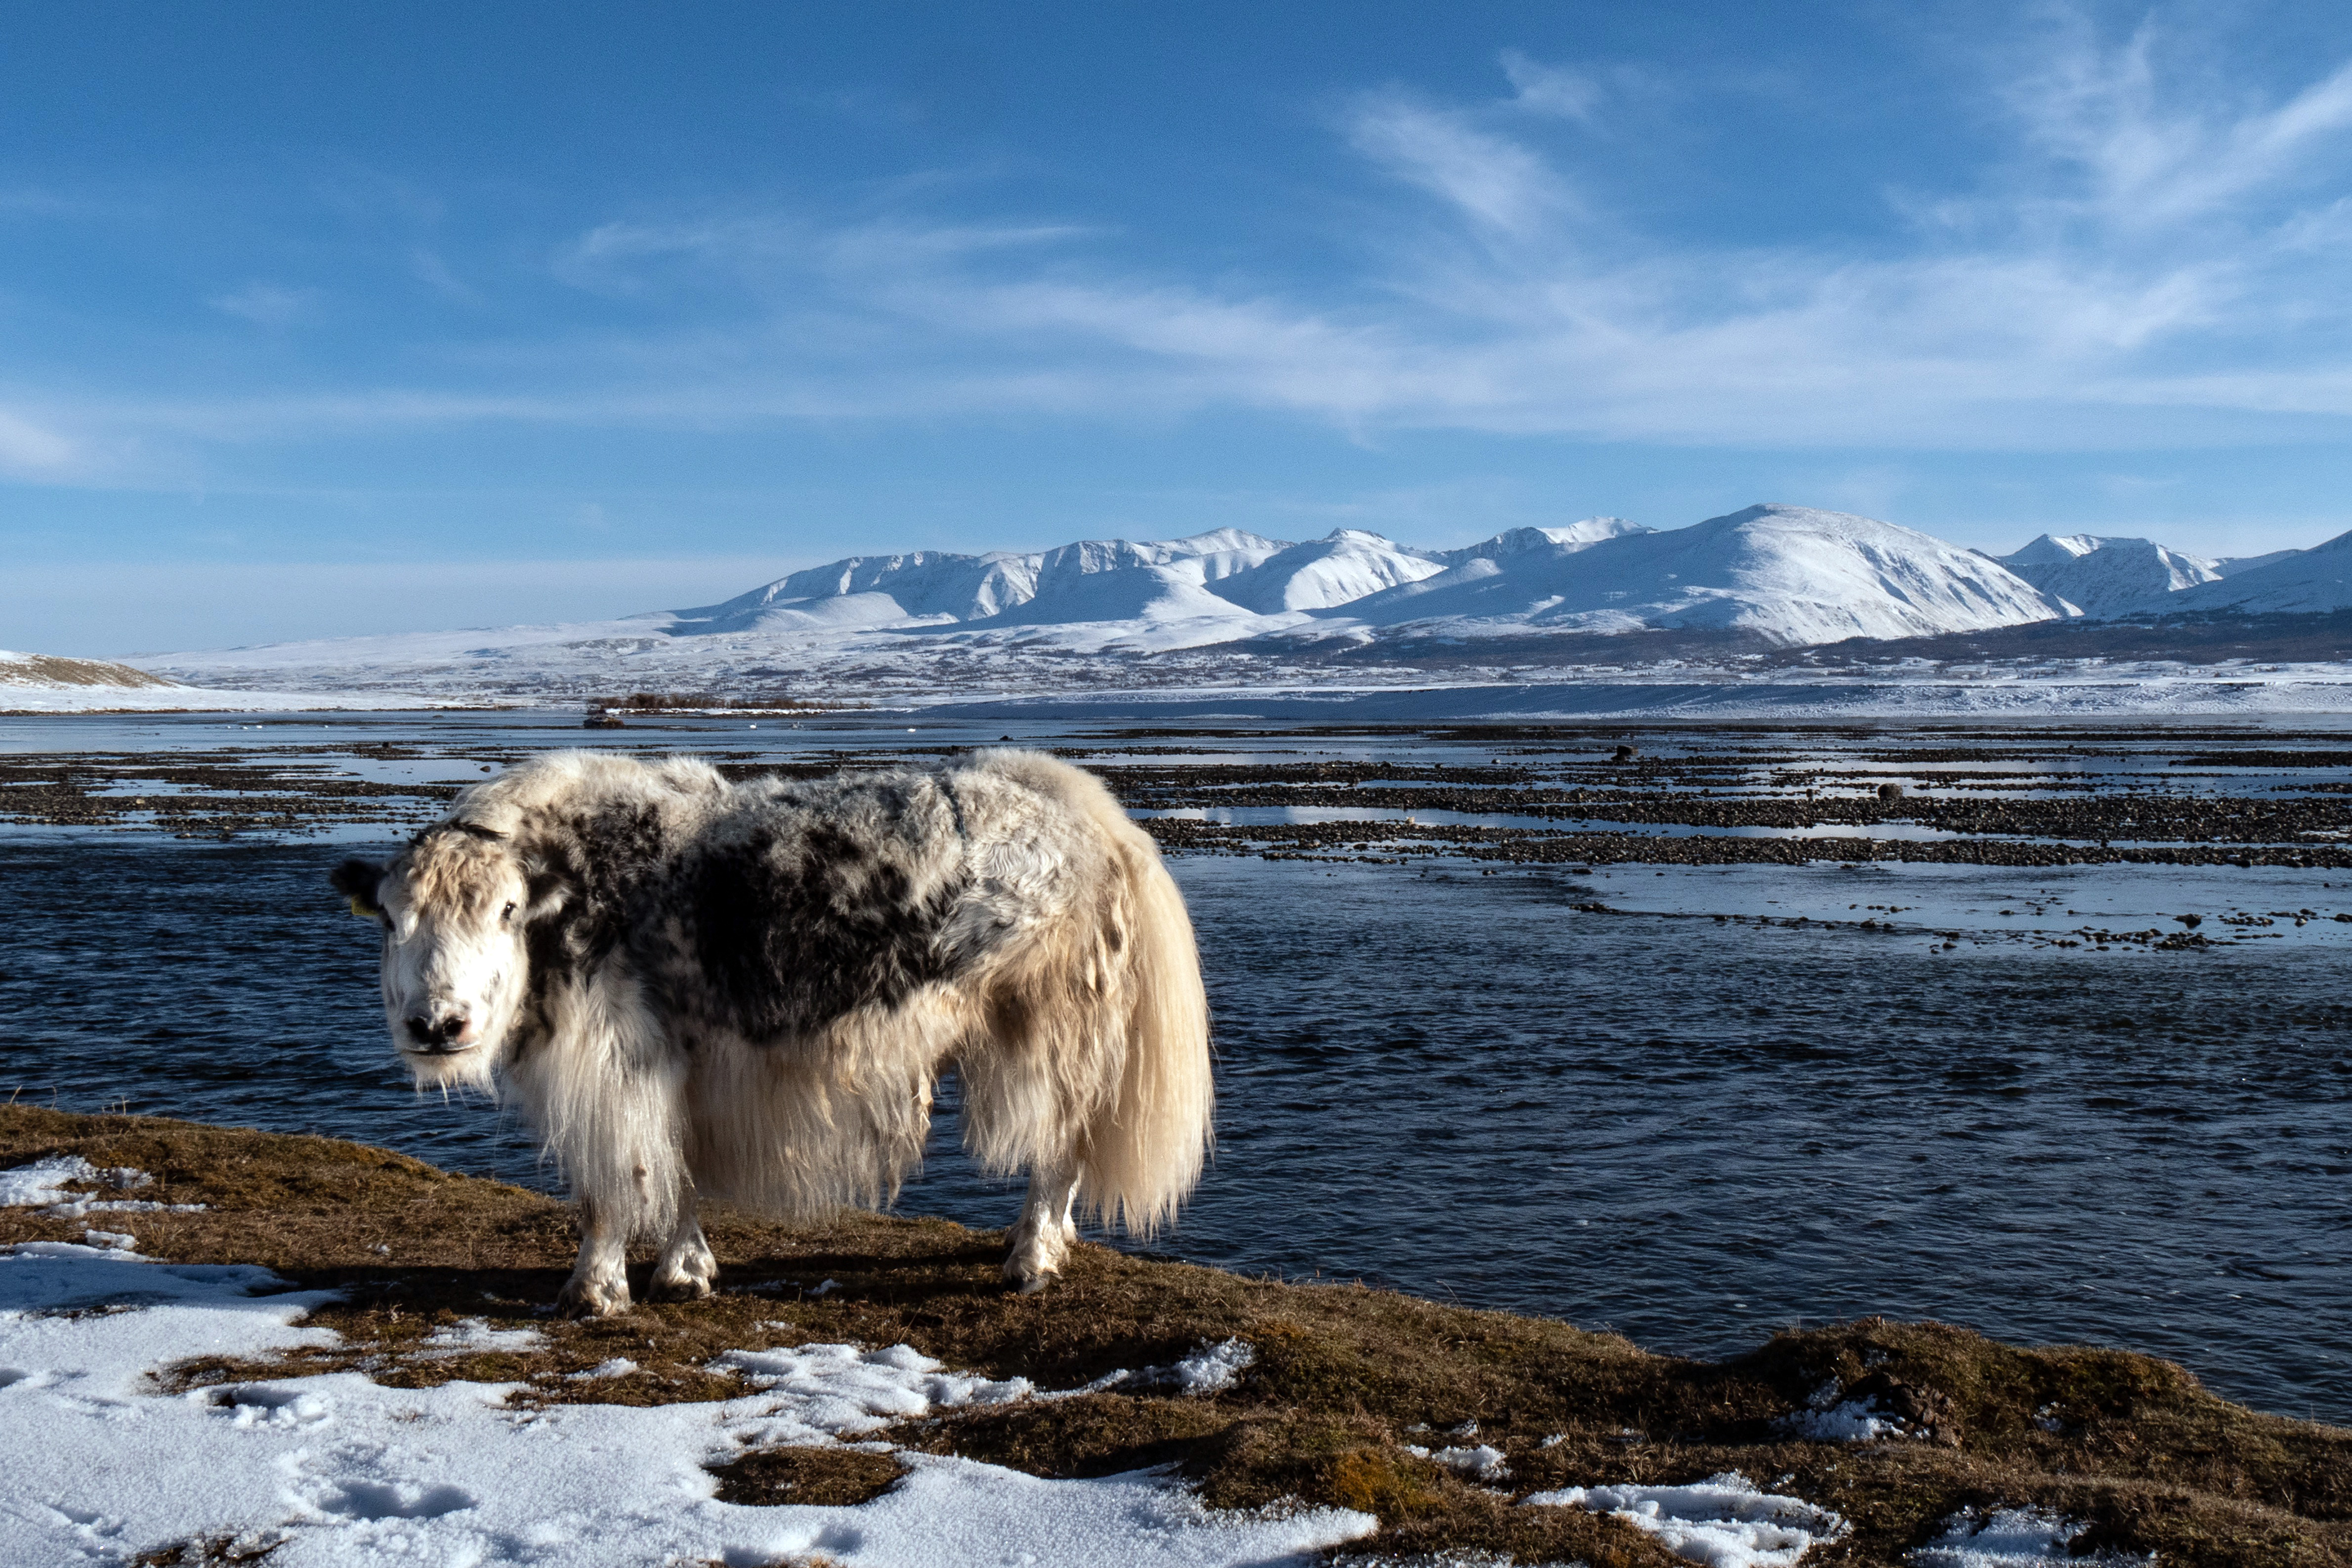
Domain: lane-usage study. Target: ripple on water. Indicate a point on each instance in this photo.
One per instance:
(1692, 1132)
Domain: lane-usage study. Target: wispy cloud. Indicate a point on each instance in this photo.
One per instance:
(268, 304)
(33, 201)
(1562, 90)
(428, 268)
(2152, 256)
(2149, 156)
(33, 450)
(1493, 180)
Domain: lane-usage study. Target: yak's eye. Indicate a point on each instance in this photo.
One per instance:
(506, 914)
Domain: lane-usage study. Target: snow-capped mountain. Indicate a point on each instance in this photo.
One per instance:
(2295, 582)
(2231, 565)
(1093, 580)
(1218, 576)
(2106, 577)
(1325, 574)
(874, 590)
(1786, 574)
(47, 669)
(1575, 536)
(1102, 580)
(926, 620)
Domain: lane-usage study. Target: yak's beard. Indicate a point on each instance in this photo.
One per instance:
(474, 1069)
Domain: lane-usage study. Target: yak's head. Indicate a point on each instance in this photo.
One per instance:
(455, 906)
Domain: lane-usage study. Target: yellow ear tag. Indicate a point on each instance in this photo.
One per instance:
(365, 914)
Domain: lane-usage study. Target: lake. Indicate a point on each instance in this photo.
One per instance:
(1692, 1103)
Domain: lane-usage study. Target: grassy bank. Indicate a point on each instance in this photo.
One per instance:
(1345, 1383)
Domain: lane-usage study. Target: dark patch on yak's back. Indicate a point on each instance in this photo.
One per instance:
(817, 912)
(612, 864)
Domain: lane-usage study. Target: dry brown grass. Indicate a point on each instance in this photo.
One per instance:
(834, 1475)
(208, 1551)
(1346, 1376)
(49, 669)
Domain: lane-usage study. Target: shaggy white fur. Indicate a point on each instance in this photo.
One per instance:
(698, 989)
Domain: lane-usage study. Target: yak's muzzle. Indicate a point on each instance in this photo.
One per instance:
(438, 1031)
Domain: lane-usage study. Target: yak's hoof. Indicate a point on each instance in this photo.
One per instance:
(577, 1300)
(684, 1288)
(1027, 1277)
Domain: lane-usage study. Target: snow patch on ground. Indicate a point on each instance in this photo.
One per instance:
(44, 1180)
(42, 1184)
(1852, 1421)
(1826, 1418)
(846, 1390)
(1483, 1463)
(1722, 1522)
(619, 1366)
(471, 1336)
(340, 1471)
(1209, 1369)
(2009, 1537)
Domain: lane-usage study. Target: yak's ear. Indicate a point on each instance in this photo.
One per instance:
(358, 881)
(549, 887)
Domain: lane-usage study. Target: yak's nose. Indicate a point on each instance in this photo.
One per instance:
(437, 1032)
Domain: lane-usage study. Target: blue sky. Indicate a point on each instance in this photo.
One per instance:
(315, 319)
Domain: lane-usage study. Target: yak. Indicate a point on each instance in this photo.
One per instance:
(693, 987)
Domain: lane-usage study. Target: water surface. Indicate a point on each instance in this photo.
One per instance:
(1693, 1129)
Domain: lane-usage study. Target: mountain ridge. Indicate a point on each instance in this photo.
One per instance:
(1785, 573)
(1598, 592)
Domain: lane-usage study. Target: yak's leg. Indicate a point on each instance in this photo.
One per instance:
(687, 1267)
(599, 1285)
(1042, 1239)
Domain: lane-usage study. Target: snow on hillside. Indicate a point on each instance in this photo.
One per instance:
(1118, 580)
(2104, 577)
(2299, 582)
(43, 670)
(1093, 580)
(2231, 565)
(1229, 607)
(45, 683)
(1575, 536)
(876, 590)
(1787, 574)
(1325, 574)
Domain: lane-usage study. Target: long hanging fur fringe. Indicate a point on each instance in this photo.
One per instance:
(1098, 1045)
(1073, 1010)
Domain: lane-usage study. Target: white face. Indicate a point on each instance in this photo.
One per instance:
(454, 978)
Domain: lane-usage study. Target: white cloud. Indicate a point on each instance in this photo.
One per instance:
(31, 451)
(31, 201)
(2150, 264)
(1495, 180)
(268, 304)
(2151, 155)
(2154, 258)
(428, 268)
(1560, 90)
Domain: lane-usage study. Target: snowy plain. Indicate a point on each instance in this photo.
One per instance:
(338, 1470)
(335, 1471)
